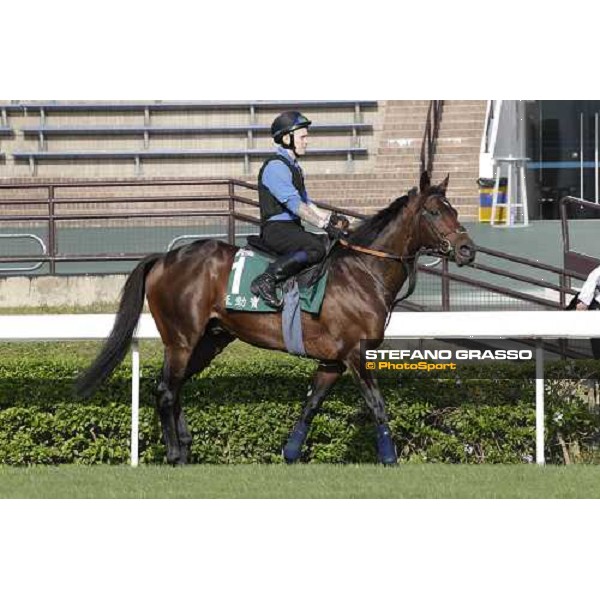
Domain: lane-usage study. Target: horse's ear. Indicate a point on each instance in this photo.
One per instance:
(444, 185)
(425, 182)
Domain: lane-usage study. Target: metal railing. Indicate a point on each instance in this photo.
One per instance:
(30, 236)
(83, 206)
(579, 264)
(98, 202)
(561, 289)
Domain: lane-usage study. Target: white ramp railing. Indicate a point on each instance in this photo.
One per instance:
(477, 325)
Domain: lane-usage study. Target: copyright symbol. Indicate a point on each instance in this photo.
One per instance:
(370, 365)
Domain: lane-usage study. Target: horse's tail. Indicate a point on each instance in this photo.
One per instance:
(118, 342)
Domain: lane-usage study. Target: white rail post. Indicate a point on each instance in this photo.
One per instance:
(135, 401)
(539, 403)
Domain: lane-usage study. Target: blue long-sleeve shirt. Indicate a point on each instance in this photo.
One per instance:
(278, 179)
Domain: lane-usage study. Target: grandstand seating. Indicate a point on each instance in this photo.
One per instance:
(137, 155)
(58, 106)
(168, 153)
(248, 131)
(74, 130)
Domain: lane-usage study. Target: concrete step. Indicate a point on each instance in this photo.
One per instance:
(464, 172)
(417, 122)
(397, 103)
(448, 150)
(406, 107)
(463, 112)
(394, 135)
(465, 102)
(404, 118)
(399, 171)
(465, 107)
(451, 124)
(447, 160)
(457, 157)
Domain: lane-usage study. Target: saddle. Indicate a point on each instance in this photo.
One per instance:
(305, 278)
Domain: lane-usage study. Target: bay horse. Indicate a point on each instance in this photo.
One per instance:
(186, 289)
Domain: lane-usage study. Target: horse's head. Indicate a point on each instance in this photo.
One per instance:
(439, 227)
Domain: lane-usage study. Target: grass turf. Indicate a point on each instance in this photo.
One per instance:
(302, 481)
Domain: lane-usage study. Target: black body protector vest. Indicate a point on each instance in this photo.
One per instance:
(269, 205)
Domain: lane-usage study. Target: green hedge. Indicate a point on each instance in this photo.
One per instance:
(242, 409)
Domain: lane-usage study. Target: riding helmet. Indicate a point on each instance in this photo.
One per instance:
(287, 122)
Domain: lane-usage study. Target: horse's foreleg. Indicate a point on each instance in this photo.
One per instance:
(327, 374)
(369, 388)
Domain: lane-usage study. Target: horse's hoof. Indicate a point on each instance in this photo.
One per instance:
(174, 459)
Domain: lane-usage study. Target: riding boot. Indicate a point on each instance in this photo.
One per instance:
(265, 285)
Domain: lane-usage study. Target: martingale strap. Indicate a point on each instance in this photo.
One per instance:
(412, 282)
(411, 270)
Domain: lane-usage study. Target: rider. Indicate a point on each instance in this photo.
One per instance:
(283, 203)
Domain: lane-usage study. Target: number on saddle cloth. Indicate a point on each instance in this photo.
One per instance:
(249, 264)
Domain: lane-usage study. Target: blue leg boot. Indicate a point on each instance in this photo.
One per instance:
(293, 448)
(386, 448)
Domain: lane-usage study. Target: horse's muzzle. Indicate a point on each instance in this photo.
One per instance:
(463, 250)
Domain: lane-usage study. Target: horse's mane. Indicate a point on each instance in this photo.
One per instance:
(370, 228)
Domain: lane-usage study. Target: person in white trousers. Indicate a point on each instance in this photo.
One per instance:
(589, 299)
(589, 296)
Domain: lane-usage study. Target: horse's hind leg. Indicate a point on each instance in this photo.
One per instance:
(327, 374)
(174, 368)
(209, 346)
(183, 434)
(386, 449)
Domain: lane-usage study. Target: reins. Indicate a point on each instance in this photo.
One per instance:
(409, 264)
(373, 252)
(411, 270)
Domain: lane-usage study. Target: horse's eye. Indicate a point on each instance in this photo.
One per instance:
(434, 212)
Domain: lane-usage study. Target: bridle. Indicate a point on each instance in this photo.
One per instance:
(409, 262)
(445, 245)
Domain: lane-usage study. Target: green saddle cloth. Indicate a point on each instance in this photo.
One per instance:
(248, 265)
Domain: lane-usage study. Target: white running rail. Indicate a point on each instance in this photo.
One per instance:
(478, 325)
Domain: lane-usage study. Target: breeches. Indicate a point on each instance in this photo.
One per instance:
(288, 237)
